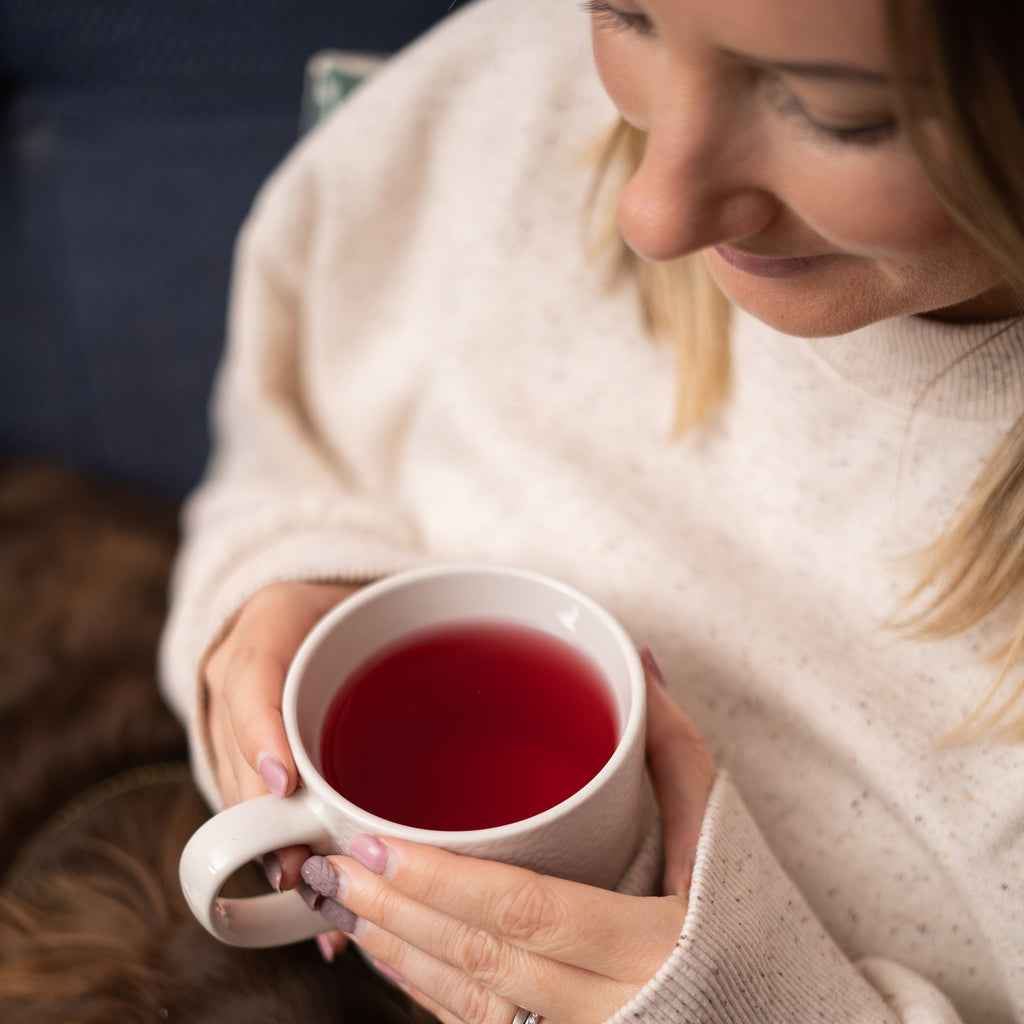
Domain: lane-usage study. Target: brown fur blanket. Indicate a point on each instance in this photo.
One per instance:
(95, 798)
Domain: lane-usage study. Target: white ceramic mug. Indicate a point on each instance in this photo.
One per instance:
(589, 837)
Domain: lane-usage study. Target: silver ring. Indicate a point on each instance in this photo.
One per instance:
(525, 1016)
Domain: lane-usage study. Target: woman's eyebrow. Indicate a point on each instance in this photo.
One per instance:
(815, 69)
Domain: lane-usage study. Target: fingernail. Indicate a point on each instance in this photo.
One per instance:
(326, 948)
(312, 898)
(651, 667)
(371, 853)
(273, 870)
(383, 968)
(340, 916)
(322, 875)
(273, 773)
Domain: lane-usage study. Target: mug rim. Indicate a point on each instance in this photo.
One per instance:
(367, 821)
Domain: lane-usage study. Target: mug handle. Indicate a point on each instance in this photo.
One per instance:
(226, 843)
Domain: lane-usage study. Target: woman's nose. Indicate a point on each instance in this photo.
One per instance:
(699, 182)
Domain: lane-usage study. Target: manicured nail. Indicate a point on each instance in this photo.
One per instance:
(371, 853)
(651, 667)
(326, 948)
(273, 870)
(312, 898)
(273, 773)
(388, 972)
(340, 916)
(321, 874)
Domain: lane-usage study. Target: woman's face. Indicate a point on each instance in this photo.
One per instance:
(772, 146)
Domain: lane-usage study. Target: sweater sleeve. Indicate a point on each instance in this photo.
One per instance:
(752, 950)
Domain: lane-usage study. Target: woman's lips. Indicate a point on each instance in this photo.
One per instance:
(765, 266)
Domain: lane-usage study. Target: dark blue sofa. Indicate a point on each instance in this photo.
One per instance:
(134, 136)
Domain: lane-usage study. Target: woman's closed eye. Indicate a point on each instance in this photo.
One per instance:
(617, 18)
(869, 132)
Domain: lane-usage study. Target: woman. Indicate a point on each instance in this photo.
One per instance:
(425, 365)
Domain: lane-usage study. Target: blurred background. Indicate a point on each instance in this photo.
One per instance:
(134, 137)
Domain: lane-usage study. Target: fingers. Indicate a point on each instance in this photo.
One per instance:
(481, 993)
(253, 683)
(331, 944)
(578, 925)
(683, 772)
(244, 717)
(283, 867)
(470, 972)
(480, 938)
(245, 677)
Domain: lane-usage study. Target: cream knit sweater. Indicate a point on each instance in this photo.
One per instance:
(423, 365)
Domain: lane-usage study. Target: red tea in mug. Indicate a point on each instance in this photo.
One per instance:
(467, 726)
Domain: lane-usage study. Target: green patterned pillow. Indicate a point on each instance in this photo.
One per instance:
(330, 76)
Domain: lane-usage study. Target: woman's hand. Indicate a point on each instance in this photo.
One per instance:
(473, 940)
(245, 677)
(683, 773)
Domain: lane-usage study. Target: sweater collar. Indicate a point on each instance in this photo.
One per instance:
(960, 371)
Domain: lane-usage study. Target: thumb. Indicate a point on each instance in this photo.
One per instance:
(269, 631)
(683, 772)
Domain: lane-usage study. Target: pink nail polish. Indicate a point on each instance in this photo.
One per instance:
(326, 949)
(370, 852)
(273, 773)
(393, 975)
(651, 667)
(312, 898)
(342, 918)
(320, 874)
(273, 870)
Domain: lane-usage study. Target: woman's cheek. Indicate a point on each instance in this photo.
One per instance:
(862, 212)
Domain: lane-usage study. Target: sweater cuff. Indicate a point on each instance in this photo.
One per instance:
(751, 948)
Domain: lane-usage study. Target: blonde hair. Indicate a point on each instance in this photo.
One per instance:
(679, 299)
(977, 564)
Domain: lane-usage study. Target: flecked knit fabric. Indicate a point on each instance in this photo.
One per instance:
(425, 366)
